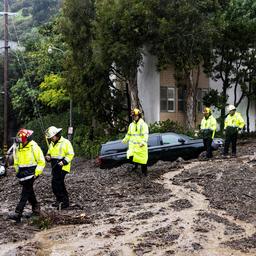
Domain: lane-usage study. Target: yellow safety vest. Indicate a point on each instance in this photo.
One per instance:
(62, 150)
(209, 123)
(28, 158)
(137, 134)
(234, 121)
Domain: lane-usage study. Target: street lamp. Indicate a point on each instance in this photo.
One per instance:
(52, 48)
(70, 128)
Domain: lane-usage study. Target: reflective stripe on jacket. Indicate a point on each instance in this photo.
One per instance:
(28, 160)
(137, 134)
(209, 124)
(62, 150)
(234, 121)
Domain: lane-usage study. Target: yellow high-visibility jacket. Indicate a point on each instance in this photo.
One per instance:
(63, 149)
(137, 135)
(209, 123)
(28, 160)
(234, 121)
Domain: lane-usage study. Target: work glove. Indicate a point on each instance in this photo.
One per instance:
(60, 163)
(239, 130)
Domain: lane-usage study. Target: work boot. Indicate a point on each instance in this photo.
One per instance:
(62, 206)
(224, 156)
(132, 168)
(144, 171)
(55, 204)
(15, 216)
(135, 167)
(36, 210)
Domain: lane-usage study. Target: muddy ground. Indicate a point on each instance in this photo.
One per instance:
(182, 208)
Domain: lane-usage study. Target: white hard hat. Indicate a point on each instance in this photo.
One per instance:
(231, 107)
(51, 131)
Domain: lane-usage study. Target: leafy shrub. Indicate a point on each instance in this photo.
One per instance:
(42, 222)
(169, 126)
(87, 140)
(25, 12)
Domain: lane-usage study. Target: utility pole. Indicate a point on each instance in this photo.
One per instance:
(5, 146)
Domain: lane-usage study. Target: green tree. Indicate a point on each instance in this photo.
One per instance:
(42, 11)
(182, 33)
(23, 100)
(248, 82)
(236, 35)
(121, 32)
(88, 81)
(53, 93)
(35, 64)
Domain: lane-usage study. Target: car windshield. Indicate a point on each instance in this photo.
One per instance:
(185, 137)
(173, 139)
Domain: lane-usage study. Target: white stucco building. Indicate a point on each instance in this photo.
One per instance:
(161, 99)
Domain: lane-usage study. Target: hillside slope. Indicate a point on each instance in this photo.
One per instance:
(28, 14)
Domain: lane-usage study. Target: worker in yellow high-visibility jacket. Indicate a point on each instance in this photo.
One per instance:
(233, 123)
(207, 129)
(60, 154)
(137, 139)
(29, 163)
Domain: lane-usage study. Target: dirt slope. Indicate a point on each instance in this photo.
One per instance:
(181, 208)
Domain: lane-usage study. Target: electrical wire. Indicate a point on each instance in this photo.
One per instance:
(24, 68)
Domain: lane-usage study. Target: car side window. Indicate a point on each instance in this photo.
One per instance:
(170, 139)
(153, 141)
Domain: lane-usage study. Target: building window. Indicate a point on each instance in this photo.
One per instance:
(181, 99)
(167, 99)
(200, 95)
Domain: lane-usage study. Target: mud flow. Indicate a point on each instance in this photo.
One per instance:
(182, 208)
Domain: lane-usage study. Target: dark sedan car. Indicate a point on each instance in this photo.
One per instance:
(161, 146)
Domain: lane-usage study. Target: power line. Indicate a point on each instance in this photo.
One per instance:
(22, 63)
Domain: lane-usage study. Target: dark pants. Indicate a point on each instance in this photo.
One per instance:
(58, 186)
(232, 138)
(27, 194)
(144, 167)
(208, 147)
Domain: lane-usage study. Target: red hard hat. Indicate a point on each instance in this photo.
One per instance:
(23, 134)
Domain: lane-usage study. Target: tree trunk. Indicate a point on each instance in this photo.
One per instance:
(195, 93)
(222, 112)
(190, 101)
(248, 106)
(128, 102)
(133, 92)
(247, 114)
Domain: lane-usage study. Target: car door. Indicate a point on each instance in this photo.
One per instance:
(154, 148)
(173, 147)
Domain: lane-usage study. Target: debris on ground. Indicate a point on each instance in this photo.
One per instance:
(188, 208)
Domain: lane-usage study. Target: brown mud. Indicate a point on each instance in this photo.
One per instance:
(202, 208)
